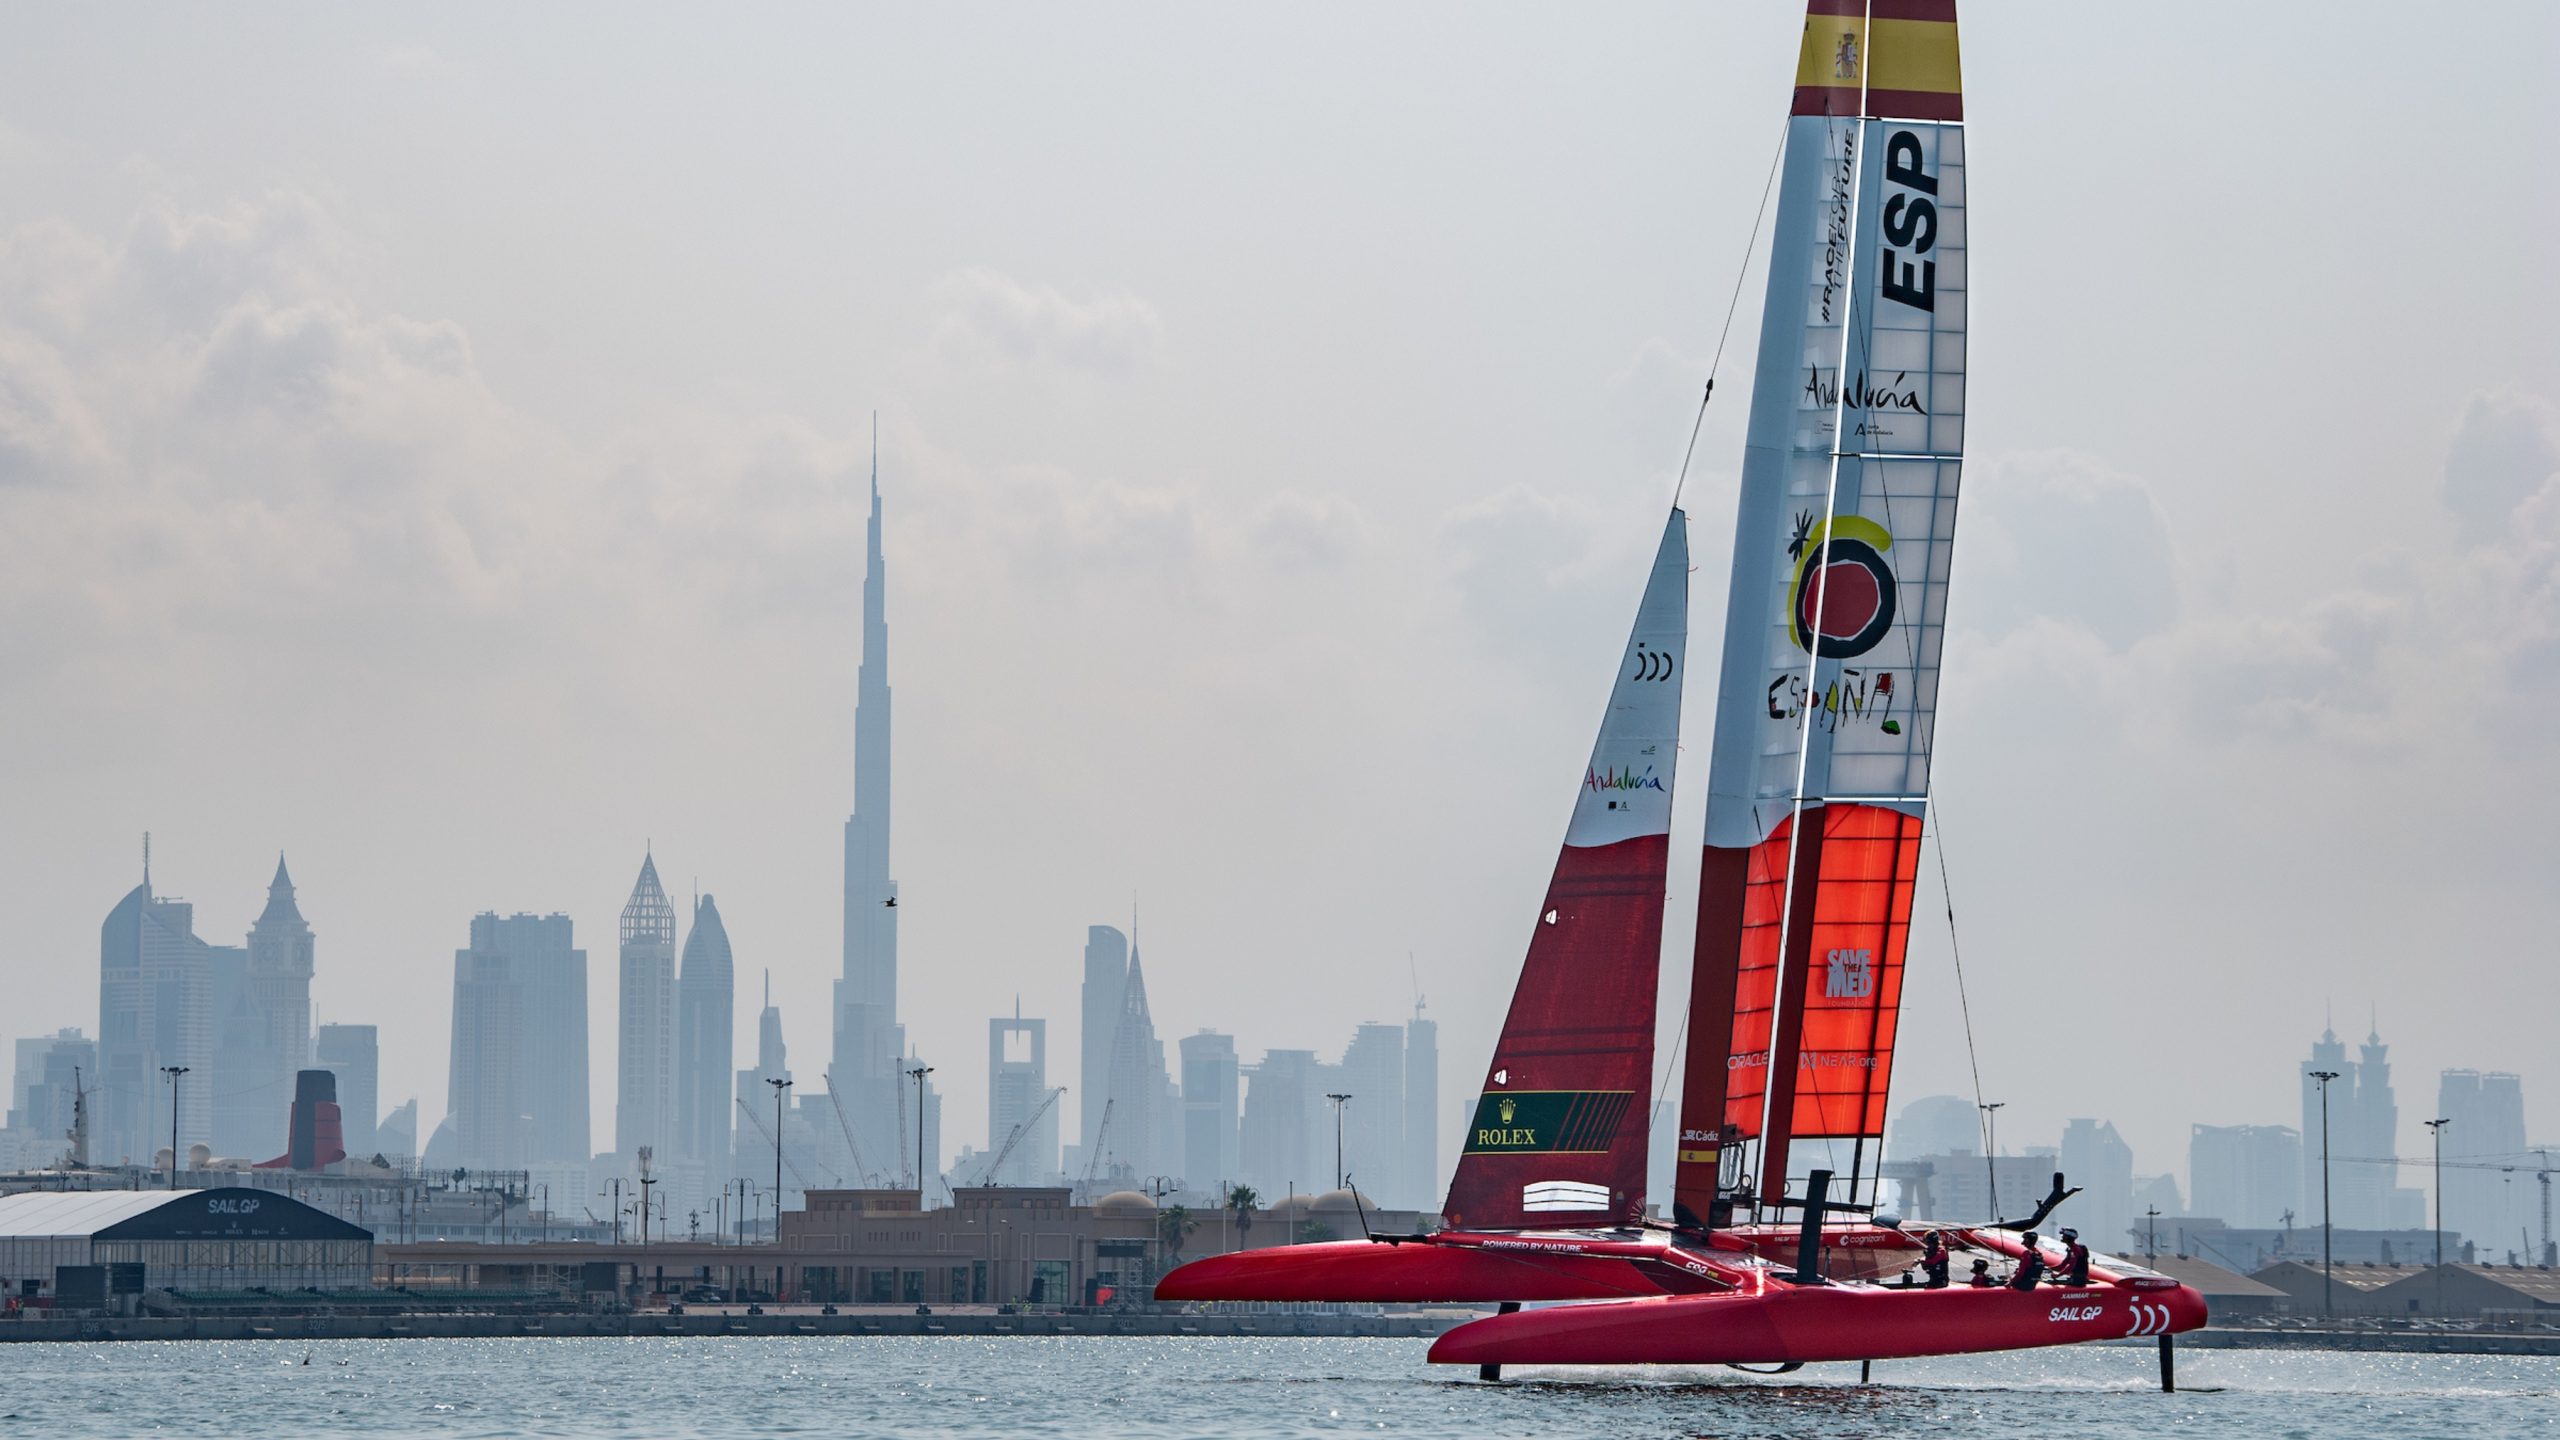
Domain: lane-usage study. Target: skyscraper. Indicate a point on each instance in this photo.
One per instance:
(2364, 1121)
(644, 1066)
(1139, 1093)
(154, 1010)
(1372, 1123)
(1211, 1112)
(1106, 975)
(706, 999)
(250, 1095)
(2247, 1175)
(518, 1071)
(44, 1087)
(2482, 1205)
(1422, 1110)
(1018, 1090)
(773, 1062)
(2101, 1164)
(1283, 1113)
(280, 964)
(866, 1073)
(354, 1054)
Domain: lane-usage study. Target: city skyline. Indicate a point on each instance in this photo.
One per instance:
(1280, 604)
(2249, 1183)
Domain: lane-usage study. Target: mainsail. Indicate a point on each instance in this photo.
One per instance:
(1819, 772)
(1558, 1134)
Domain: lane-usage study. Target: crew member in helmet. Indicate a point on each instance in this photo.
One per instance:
(2030, 1271)
(2075, 1259)
(1933, 1261)
(1981, 1279)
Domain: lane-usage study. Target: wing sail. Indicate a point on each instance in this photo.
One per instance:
(1826, 710)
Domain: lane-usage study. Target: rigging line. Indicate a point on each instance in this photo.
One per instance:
(1964, 1002)
(1750, 246)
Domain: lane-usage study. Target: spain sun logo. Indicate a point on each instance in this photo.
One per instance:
(1849, 605)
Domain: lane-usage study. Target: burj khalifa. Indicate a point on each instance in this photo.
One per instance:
(868, 1074)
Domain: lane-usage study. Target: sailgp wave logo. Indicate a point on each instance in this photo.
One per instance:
(1651, 664)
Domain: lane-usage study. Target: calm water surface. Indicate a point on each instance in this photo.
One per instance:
(1194, 1387)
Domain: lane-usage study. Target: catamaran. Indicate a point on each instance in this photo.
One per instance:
(1818, 794)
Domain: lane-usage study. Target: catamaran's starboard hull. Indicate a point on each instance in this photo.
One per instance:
(1791, 1324)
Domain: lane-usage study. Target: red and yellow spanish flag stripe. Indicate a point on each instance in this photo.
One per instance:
(1891, 59)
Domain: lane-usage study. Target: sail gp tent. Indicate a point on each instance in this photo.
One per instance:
(221, 1239)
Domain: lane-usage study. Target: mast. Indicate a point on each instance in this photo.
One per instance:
(1826, 712)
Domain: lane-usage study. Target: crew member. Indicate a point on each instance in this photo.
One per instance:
(1981, 1279)
(1933, 1261)
(2075, 1259)
(2030, 1269)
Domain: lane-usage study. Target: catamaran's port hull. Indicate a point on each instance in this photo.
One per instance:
(1444, 1268)
(1790, 1324)
(1462, 1267)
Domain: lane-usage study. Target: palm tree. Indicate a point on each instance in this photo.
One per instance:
(1174, 1225)
(1241, 1201)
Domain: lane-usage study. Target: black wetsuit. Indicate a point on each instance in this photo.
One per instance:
(2075, 1265)
(1933, 1264)
(2030, 1271)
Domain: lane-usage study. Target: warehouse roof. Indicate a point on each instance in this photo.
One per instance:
(225, 1213)
(47, 1213)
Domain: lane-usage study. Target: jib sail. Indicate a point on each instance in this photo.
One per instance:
(1826, 710)
(1558, 1132)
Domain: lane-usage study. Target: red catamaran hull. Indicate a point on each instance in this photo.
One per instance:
(1463, 1267)
(1790, 1324)
(1452, 1268)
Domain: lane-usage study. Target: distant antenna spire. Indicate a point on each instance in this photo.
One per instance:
(875, 454)
(146, 859)
(768, 987)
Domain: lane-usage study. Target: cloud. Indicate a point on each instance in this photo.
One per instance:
(993, 320)
(1304, 532)
(2057, 536)
(2505, 448)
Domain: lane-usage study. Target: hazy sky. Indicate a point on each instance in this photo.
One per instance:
(432, 445)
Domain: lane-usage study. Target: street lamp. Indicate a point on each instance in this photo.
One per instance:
(917, 1074)
(2328, 1263)
(2435, 1131)
(778, 1087)
(1991, 1148)
(173, 1072)
(1339, 1101)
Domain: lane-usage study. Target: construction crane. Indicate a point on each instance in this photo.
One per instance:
(851, 1149)
(1093, 1162)
(767, 1132)
(2545, 1177)
(987, 1175)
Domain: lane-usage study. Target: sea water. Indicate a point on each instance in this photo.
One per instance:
(1217, 1387)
